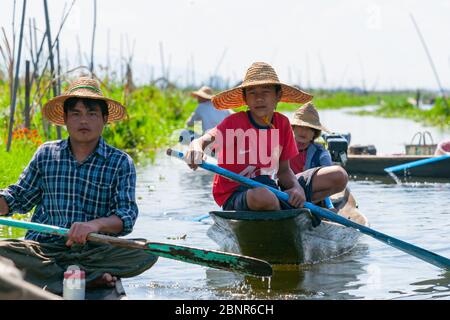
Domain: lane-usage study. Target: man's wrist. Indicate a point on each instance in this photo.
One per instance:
(95, 225)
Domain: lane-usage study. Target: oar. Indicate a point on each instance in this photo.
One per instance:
(416, 163)
(411, 249)
(209, 258)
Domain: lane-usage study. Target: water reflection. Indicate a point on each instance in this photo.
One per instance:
(328, 280)
(434, 288)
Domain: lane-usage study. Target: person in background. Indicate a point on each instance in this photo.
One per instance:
(205, 111)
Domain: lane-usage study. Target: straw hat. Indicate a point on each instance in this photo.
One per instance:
(204, 92)
(259, 73)
(83, 87)
(307, 116)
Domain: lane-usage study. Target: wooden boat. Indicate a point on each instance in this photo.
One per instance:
(374, 165)
(14, 287)
(288, 236)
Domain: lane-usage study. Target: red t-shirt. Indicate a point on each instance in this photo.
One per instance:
(298, 162)
(250, 150)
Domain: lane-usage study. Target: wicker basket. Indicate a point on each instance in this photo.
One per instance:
(422, 148)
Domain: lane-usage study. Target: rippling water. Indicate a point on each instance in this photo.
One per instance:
(171, 195)
(417, 212)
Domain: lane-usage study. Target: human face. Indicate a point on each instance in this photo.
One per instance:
(84, 124)
(262, 101)
(303, 136)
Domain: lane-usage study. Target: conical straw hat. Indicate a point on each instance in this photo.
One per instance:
(307, 116)
(259, 73)
(83, 87)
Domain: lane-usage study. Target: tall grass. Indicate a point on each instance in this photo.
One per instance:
(336, 100)
(152, 115)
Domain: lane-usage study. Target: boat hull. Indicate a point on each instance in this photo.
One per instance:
(282, 237)
(374, 165)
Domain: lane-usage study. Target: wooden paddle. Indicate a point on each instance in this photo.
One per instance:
(209, 258)
(411, 249)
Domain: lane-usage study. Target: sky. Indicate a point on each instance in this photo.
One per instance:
(321, 43)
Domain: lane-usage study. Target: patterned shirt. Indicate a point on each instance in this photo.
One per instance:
(65, 191)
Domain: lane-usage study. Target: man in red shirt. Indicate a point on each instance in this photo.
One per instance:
(257, 143)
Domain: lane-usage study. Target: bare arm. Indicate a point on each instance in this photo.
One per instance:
(194, 156)
(79, 231)
(290, 183)
(4, 209)
(286, 176)
(194, 117)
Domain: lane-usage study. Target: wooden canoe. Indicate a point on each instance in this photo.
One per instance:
(14, 287)
(374, 165)
(288, 236)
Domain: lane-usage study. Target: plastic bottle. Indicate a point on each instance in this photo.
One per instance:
(74, 284)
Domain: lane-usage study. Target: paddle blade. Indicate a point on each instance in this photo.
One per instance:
(213, 259)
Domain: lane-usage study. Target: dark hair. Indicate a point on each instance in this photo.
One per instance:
(317, 133)
(90, 104)
(277, 89)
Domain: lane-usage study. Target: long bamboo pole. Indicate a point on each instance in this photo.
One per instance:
(16, 80)
(27, 95)
(93, 38)
(430, 60)
(51, 57)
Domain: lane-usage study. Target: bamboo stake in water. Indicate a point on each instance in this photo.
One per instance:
(93, 38)
(16, 80)
(436, 75)
(27, 95)
(52, 61)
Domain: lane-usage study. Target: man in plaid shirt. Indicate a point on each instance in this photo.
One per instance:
(80, 183)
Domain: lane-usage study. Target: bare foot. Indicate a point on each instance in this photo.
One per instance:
(106, 280)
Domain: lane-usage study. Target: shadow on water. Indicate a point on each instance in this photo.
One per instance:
(435, 289)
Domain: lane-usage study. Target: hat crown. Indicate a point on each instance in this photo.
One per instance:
(85, 83)
(83, 87)
(206, 89)
(308, 114)
(260, 72)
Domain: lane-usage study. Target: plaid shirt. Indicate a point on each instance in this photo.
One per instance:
(65, 191)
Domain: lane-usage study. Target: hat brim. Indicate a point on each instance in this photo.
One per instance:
(53, 110)
(234, 98)
(298, 122)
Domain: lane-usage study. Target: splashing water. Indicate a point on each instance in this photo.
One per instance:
(396, 179)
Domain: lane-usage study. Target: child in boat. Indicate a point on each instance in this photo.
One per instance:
(312, 157)
(307, 128)
(257, 143)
